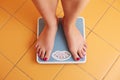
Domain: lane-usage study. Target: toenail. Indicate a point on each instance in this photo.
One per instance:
(84, 54)
(77, 59)
(45, 59)
(36, 46)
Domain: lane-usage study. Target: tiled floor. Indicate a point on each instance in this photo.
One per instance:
(18, 19)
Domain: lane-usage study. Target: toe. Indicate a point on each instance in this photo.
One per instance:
(84, 49)
(39, 53)
(42, 54)
(80, 53)
(47, 55)
(38, 49)
(85, 45)
(75, 56)
(36, 46)
(83, 52)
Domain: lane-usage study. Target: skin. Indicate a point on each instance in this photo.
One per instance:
(45, 42)
(76, 42)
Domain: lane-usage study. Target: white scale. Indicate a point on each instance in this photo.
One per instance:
(60, 53)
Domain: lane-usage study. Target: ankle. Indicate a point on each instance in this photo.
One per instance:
(67, 26)
(68, 23)
(51, 28)
(52, 24)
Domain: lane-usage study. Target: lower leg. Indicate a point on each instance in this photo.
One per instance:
(45, 41)
(76, 43)
(72, 9)
(47, 8)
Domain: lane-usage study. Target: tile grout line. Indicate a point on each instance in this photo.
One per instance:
(15, 10)
(19, 60)
(100, 36)
(111, 67)
(112, 47)
(24, 25)
(102, 16)
(11, 15)
(107, 42)
(6, 11)
(109, 3)
(58, 72)
(20, 7)
(23, 72)
(112, 5)
(81, 67)
(18, 19)
(6, 58)
(6, 22)
(116, 9)
(87, 72)
(13, 63)
(8, 18)
(99, 20)
(88, 32)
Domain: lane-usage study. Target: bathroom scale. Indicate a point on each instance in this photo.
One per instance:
(60, 53)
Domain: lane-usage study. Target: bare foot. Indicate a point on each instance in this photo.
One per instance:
(45, 42)
(76, 42)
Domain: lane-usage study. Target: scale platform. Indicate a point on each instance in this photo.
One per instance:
(60, 53)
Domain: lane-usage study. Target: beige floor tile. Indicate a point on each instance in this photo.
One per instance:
(114, 73)
(59, 12)
(5, 67)
(3, 17)
(72, 72)
(59, 9)
(15, 39)
(11, 5)
(117, 4)
(93, 11)
(59, 4)
(35, 70)
(110, 1)
(28, 15)
(86, 31)
(100, 57)
(109, 27)
(15, 74)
